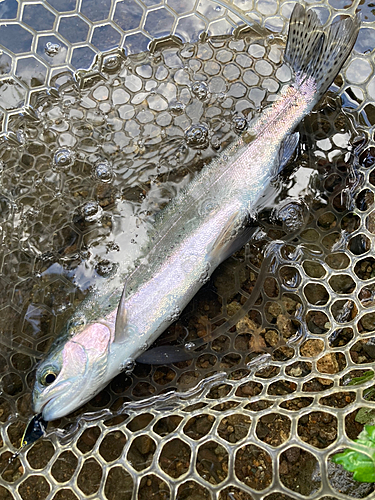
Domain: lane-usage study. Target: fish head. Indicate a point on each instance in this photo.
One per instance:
(72, 373)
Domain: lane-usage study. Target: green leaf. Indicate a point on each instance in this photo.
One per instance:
(369, 393)
(365, 416)
(367, 437)
(354, 460)
(361, 380)
(361, 465)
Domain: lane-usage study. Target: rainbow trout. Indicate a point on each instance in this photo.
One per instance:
(194, 234)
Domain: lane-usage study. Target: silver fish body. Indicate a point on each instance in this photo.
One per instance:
(194, 234)
(201, 229)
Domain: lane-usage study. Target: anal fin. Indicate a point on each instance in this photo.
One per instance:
(164, 355)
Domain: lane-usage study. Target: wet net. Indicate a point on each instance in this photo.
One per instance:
(108, 109)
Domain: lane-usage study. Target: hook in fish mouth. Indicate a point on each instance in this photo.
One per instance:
(35, 430)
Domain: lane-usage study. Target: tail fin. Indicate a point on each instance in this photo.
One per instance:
(314, 52)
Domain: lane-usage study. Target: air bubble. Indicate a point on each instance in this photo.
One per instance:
(174, 314)
(105, 268)
(103, 171)
(52, 49)
(176, 107)
(200, 90)
(63, 158)
(239, 123)
(91, 211)
(111, 63)
(197, 136)
(205, 275)
(292, 217)
(127, 366)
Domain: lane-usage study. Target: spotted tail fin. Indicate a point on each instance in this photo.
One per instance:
(315, 52)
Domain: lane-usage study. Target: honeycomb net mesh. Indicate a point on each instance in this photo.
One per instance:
(108, 109)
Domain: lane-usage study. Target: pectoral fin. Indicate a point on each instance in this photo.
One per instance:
(227, 243)
(121, 319)
(287, 148)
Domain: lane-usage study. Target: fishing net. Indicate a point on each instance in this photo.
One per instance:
(108, 109)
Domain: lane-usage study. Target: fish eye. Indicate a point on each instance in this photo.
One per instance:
(48, 377)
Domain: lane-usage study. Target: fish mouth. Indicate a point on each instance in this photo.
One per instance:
(51, 410)
(40, 406)
(47, 404)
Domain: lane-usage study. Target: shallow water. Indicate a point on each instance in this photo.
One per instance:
(86, 164)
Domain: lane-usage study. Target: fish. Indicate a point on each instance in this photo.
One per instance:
(198, 230)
